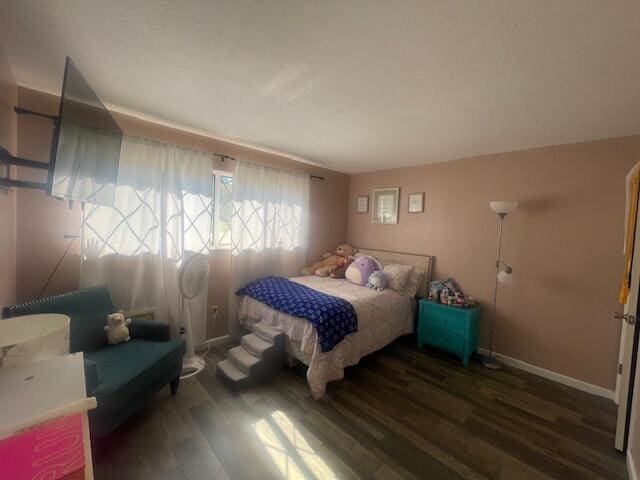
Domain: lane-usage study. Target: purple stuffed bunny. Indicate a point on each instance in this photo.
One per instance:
(361, 269)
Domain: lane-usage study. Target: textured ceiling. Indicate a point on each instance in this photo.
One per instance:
(351, 85)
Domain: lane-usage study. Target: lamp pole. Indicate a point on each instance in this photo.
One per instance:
(492, 362)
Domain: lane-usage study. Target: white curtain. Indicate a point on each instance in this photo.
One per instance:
(269, 227)
(161, 215)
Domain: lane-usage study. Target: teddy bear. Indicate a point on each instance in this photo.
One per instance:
(332, 264)
(116, 328)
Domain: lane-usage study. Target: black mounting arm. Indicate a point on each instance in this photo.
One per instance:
(7, 159)
(24, 111)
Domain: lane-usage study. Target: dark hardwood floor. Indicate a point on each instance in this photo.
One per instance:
(401, 413)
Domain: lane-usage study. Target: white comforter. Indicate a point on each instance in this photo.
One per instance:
(382, 317)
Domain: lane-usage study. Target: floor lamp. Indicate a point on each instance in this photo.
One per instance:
(503, 275)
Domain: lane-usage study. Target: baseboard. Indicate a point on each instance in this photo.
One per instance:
(556, 377)
(631, 466)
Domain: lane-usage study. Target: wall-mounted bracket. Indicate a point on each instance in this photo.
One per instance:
(7, 159)
(7, 182)
(24, 111)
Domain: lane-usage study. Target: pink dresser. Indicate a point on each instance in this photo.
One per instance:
(44, 431)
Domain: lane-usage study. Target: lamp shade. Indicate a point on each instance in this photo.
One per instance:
(503, 206)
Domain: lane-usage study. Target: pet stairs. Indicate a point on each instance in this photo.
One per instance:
(260, 355)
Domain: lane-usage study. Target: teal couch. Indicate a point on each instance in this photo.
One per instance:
(122, 377)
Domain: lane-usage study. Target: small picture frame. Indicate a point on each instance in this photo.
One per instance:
(416, 202)
(385, 205)
(362, 204)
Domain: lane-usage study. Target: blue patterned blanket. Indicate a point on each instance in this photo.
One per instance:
(334, 318)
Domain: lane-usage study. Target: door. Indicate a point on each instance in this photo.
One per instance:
(628, 346)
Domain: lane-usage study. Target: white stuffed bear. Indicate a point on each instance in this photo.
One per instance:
(377, 281)
(116, 328)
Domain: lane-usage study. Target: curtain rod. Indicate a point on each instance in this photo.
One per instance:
(273, 168)
(221, 156)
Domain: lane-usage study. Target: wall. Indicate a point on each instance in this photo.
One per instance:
(564, 242)
(8, 134)
(42, 221)
(556, 316)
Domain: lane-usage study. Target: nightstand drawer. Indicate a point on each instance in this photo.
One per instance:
(447, 319)
(446, 340)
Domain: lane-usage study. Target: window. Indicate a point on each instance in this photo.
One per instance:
(222, 210)
(270, 209)
(193, 215)
(145, 222)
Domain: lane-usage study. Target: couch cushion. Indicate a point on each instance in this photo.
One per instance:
(86, 332)
(130, 367)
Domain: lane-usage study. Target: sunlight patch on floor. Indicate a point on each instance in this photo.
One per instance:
(297, 445)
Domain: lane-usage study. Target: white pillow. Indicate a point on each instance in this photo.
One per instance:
(417, 277)
(398, 276)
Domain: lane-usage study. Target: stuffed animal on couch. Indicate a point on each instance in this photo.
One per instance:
(332, 264)
(116, 328)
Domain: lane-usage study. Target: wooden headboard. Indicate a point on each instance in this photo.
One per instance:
(421, 261)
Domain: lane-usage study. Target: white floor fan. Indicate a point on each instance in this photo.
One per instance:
(193, 279)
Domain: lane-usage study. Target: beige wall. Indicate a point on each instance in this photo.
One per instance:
(564, 242)
(8, 198)
(42, 221)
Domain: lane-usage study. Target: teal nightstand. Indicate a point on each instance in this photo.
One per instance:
(450, 328)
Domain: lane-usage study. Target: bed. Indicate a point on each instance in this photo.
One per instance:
(382, 317)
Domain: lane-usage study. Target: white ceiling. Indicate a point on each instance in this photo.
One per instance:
(352, 85)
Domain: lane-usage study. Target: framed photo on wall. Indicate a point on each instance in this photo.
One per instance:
(416, 202)
(362, 204)
(385, 205)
